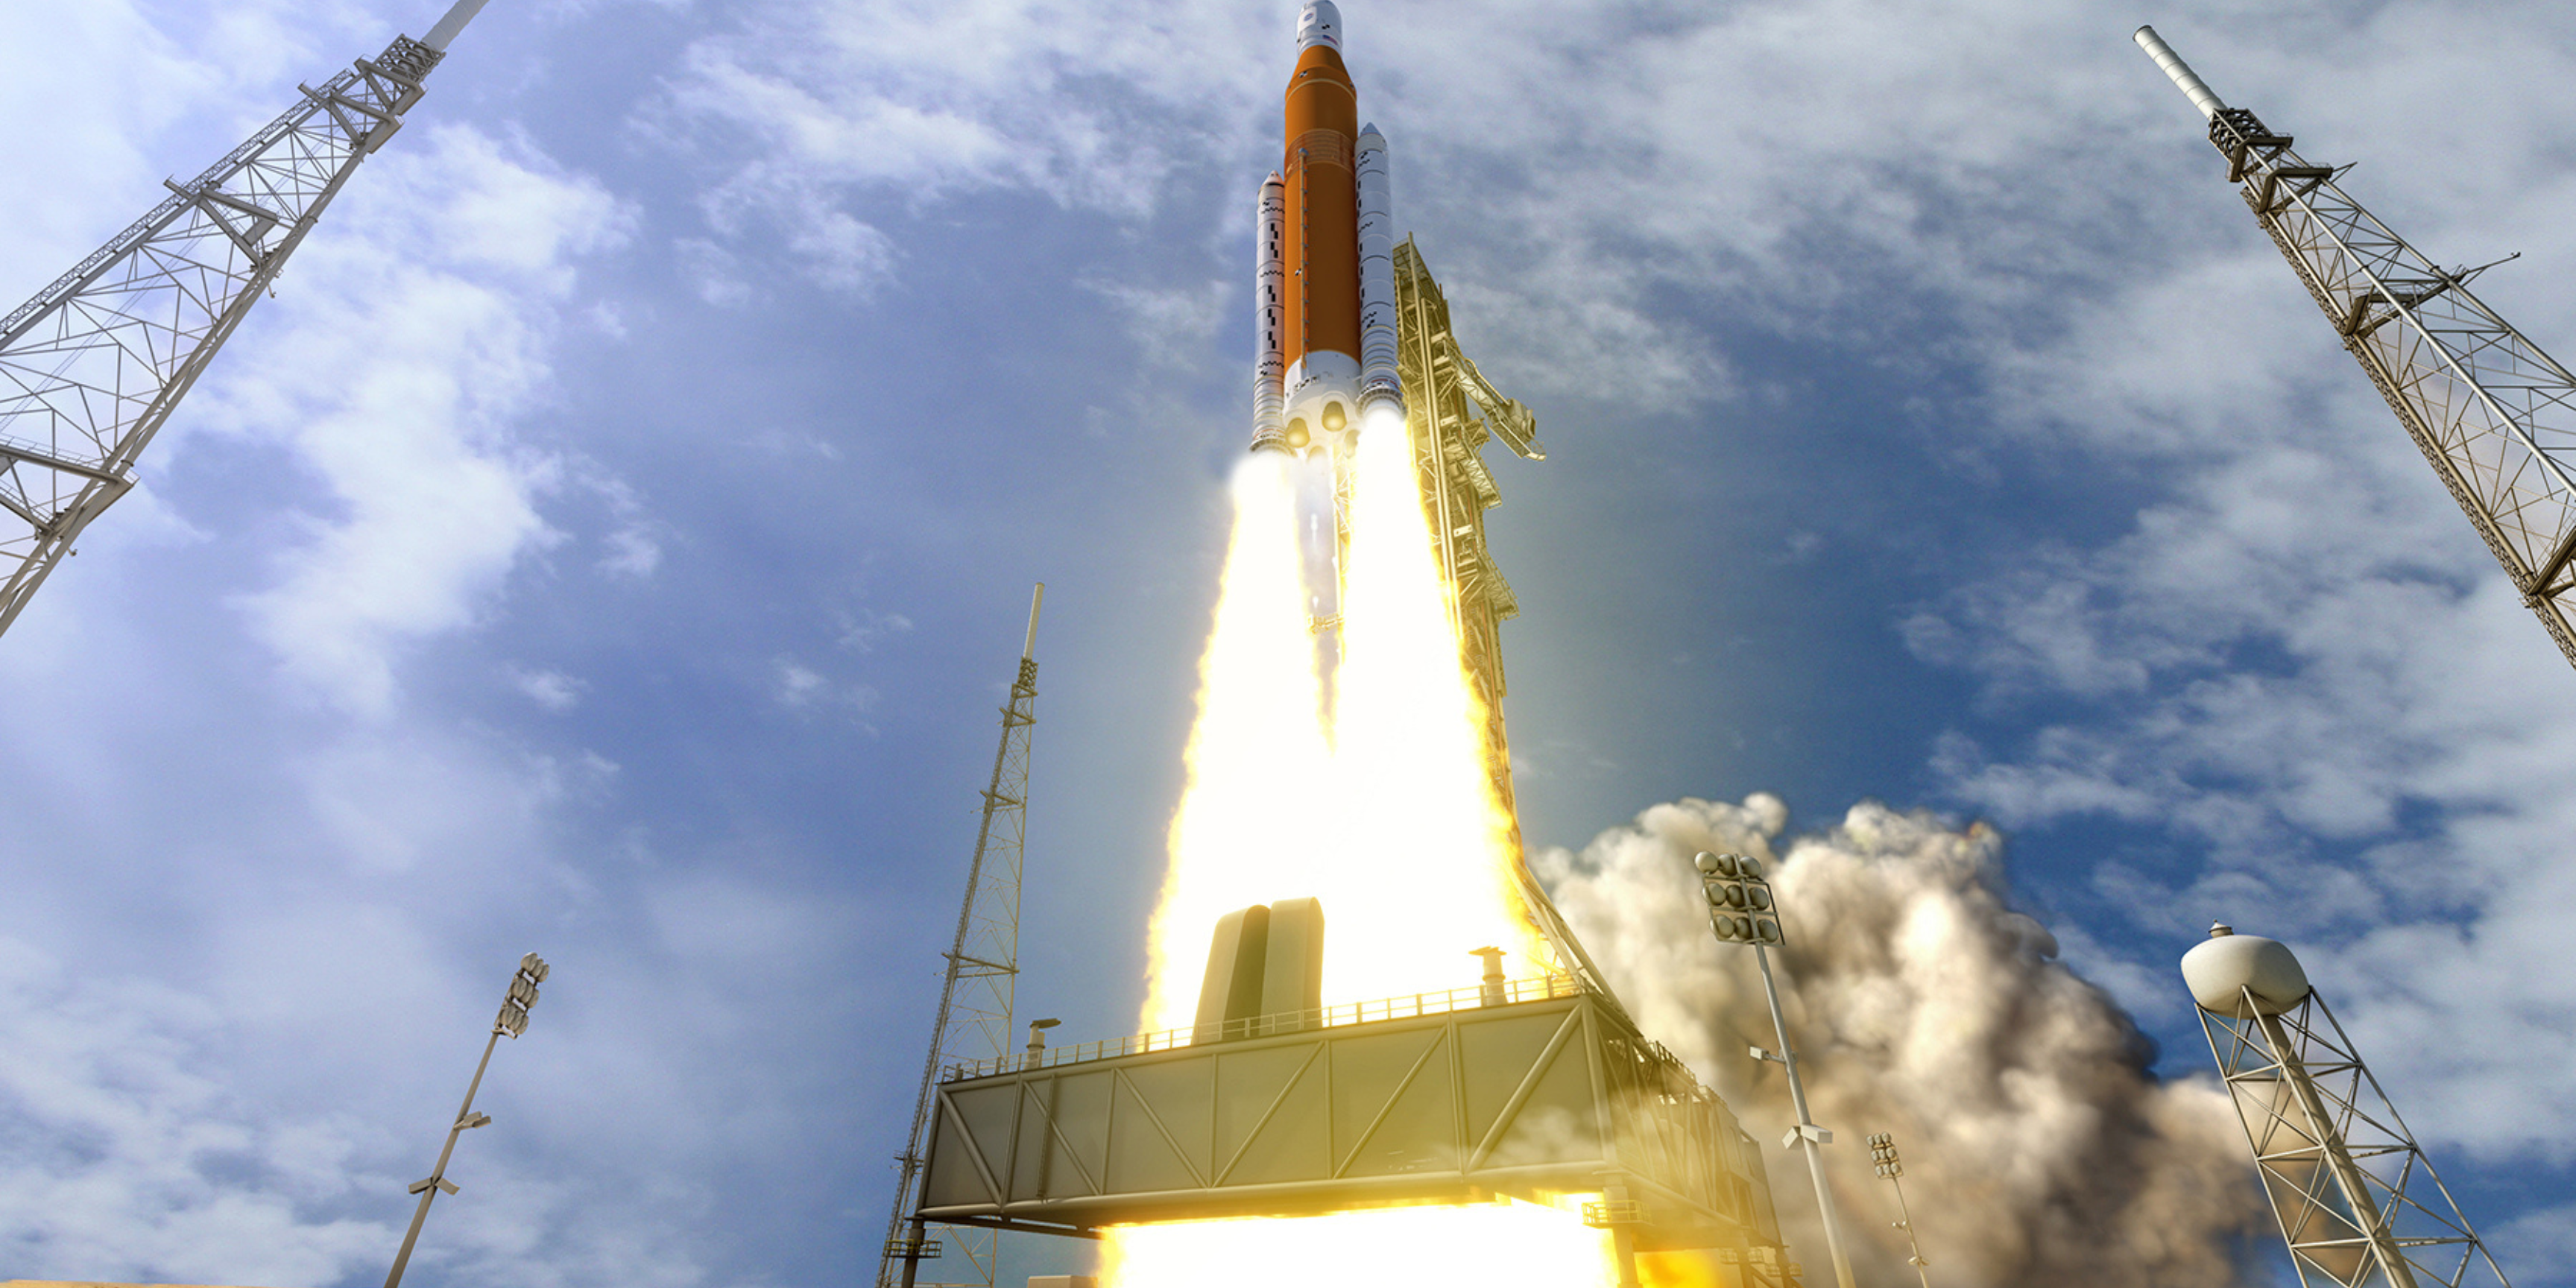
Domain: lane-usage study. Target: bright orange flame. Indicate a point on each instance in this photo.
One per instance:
(1397, 830)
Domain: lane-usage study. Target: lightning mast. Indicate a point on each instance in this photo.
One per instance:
(95, 363)
(2355, 1196)
(2494, 415)
(974, 1024)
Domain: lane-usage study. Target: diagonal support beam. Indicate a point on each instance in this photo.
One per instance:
(21, 452)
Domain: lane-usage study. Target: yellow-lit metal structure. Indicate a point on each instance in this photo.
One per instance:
(1537, 1091)
(1443, 396)
(1451, 412)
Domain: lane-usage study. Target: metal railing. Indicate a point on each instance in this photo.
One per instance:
(1414, 1006)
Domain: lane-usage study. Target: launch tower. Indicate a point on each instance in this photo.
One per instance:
(2494, 415)
(93, 366)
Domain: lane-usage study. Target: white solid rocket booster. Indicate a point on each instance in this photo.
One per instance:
(1378, 381)
(1269, 392)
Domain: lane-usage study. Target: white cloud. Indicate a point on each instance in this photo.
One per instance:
(799, 687)
(551, 689)
(863, 630)
(415, 327)
(898, 106)
(712, 272)
(131, 1160)
(1173, 328)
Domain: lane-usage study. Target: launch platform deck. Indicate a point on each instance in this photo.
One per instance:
(1533, 1089)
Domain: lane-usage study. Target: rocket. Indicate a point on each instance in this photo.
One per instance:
(1324, 266)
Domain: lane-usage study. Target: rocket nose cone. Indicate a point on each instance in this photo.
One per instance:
(1320, 24)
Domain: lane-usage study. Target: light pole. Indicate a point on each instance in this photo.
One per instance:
(1741, 912)
(1882, 1151)
(513, 1021)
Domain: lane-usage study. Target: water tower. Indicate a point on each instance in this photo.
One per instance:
(2355, 1197)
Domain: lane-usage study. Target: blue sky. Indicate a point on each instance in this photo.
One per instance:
(612, 541)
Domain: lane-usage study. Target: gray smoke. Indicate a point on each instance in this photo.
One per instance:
(2037, 1147)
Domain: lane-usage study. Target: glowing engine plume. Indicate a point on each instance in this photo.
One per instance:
(1505, 1245)
(1245, 831)
(1418, 838)
(1399, 834)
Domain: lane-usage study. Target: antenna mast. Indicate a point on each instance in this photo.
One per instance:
(975, 1003)
(92, 366)
(2494, 415)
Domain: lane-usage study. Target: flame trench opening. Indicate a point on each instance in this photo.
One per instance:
(1386, 812)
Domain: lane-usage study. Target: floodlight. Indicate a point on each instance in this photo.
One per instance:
(512, 1021)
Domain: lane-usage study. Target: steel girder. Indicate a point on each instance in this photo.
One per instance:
(1554, 1096)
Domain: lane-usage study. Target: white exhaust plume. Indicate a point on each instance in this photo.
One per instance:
(2037, 1147)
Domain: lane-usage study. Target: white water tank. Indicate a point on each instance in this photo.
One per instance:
(2224, 969)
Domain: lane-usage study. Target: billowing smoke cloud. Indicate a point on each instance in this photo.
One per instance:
(2038, 1149)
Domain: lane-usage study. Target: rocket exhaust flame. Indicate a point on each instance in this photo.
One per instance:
(1507, 1243)
(1392, 824)
(1417, 824)
(1388, 815)
(1246, 827)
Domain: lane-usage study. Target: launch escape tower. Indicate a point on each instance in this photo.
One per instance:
(92, 367)
(974, 1024)
(2355, 1197)
(2494, 415)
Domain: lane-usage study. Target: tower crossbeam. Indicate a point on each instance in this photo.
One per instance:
(93, 365)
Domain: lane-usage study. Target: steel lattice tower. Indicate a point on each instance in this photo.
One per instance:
(2494, 414)
(94, 364)
(974, 1023)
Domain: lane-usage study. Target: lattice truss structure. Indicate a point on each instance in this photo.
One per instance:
(93, 365)
(2356, 1198)
(1443, 396)
(2494, 414)
(974, 1025)
(1543, 1091)
(1451, 412)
